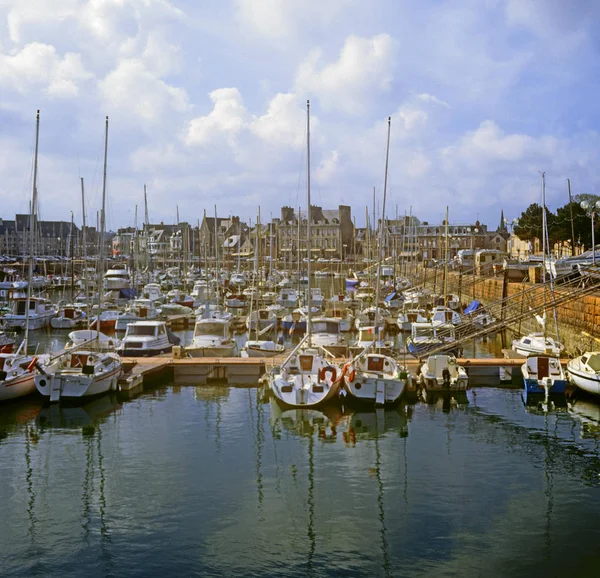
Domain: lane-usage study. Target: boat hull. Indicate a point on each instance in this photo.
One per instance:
(303, 391)
(373, 391)
(589, 383)
(217, 351)
(73, 385)
(533, 386)
(145, 352)
(20, 386)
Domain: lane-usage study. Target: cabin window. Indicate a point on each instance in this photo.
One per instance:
(594, 362)
(526, 341)
(140, 330)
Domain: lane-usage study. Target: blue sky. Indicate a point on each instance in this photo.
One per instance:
(206, 101)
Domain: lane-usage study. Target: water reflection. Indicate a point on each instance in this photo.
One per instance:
(83, 416)
(587, 413)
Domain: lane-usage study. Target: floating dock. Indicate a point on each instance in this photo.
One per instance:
(247, 371)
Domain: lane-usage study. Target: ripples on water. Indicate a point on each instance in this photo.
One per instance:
(220, 481)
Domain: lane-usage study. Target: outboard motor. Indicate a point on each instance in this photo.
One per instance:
(446, 377)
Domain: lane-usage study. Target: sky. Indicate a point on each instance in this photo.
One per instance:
(207, 105)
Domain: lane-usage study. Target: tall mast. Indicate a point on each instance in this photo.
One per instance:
(572, 225)
(381, 226)
(446, 258)
(32, 229)
(308, 219)
(85, 284)
(102, 227)
(72, 260)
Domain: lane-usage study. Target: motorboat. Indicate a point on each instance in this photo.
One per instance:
(426, 337)
(262, 348)
(327, 333)
(117, 278)
(407, 317)
(69, 317)
(213, 311)
(260, 319)
(372, 336)
(287, 298)
(236, 301)
(445, 315)
(147, 338)
(368, 317)
(343, 315)
(92, 339)
(543, 374)
(584, 371)
(375, 379)
(178, 296)
(442, 371)
(538, 342)
(138, 310)
(153, 291)
(211, 339)
(41, 311)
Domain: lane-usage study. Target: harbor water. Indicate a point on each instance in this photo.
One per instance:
(220, 481)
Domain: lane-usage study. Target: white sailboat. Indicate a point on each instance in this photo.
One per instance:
(16, 369)
(306, 378)
(87, 368)
(376, 377)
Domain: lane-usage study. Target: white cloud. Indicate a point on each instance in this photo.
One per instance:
(227, 118)
(132, 89)
(362, 70)
(328, 168)
(283, 123)
(39, 66)
(279, 19)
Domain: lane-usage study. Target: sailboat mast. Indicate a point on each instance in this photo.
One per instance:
(32, 229)
(446, 257)
(85, 284)
(308, 219)
(72, 261)
(381, 226)
(102, 227)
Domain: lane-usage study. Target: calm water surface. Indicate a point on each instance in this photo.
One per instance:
(218, 481)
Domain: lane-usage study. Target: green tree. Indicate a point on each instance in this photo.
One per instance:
(529, 226)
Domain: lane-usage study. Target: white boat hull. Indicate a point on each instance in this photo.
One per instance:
(210, 351)
(70, 384)
(36, 321)
(19, 386)
(303, 390)
(589, 383)
(379, 391)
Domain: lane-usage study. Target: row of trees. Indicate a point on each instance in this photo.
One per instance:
(570, 222)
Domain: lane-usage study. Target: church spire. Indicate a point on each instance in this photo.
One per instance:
(502, 227)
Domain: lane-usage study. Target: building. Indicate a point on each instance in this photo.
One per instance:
(332, 233)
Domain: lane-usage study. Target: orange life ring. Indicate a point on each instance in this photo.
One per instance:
(352, 375)
(31, 366)
(324, 370)
(345, 369)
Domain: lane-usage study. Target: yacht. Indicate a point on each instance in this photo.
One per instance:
(69, 317)
(443, 314)
(327, 333)
(543, 374)
(425, 337)
(372, 336)
(537, 343)
(41, 311)
(262, 348)
(16, 375)
(442, 371)
(81, 372)
(409, 316)
(147, 338)
(375, 379)
(287, 298)
(211, 339)
(584, 371)
(153, 292)
(117, 278)
(305, 379)
(138, 310)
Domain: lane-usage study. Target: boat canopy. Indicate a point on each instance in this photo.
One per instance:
(472, 307)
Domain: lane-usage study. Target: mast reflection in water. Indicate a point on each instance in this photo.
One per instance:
(222, 481)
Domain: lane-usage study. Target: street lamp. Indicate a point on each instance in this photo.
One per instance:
(591, 209)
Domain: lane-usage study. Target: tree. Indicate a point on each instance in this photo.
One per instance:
(529, 226)
(582, 227)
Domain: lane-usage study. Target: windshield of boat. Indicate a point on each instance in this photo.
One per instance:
(594, 362)
(325, 327)
(141, 329)
(367, 335)
(210, 329)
